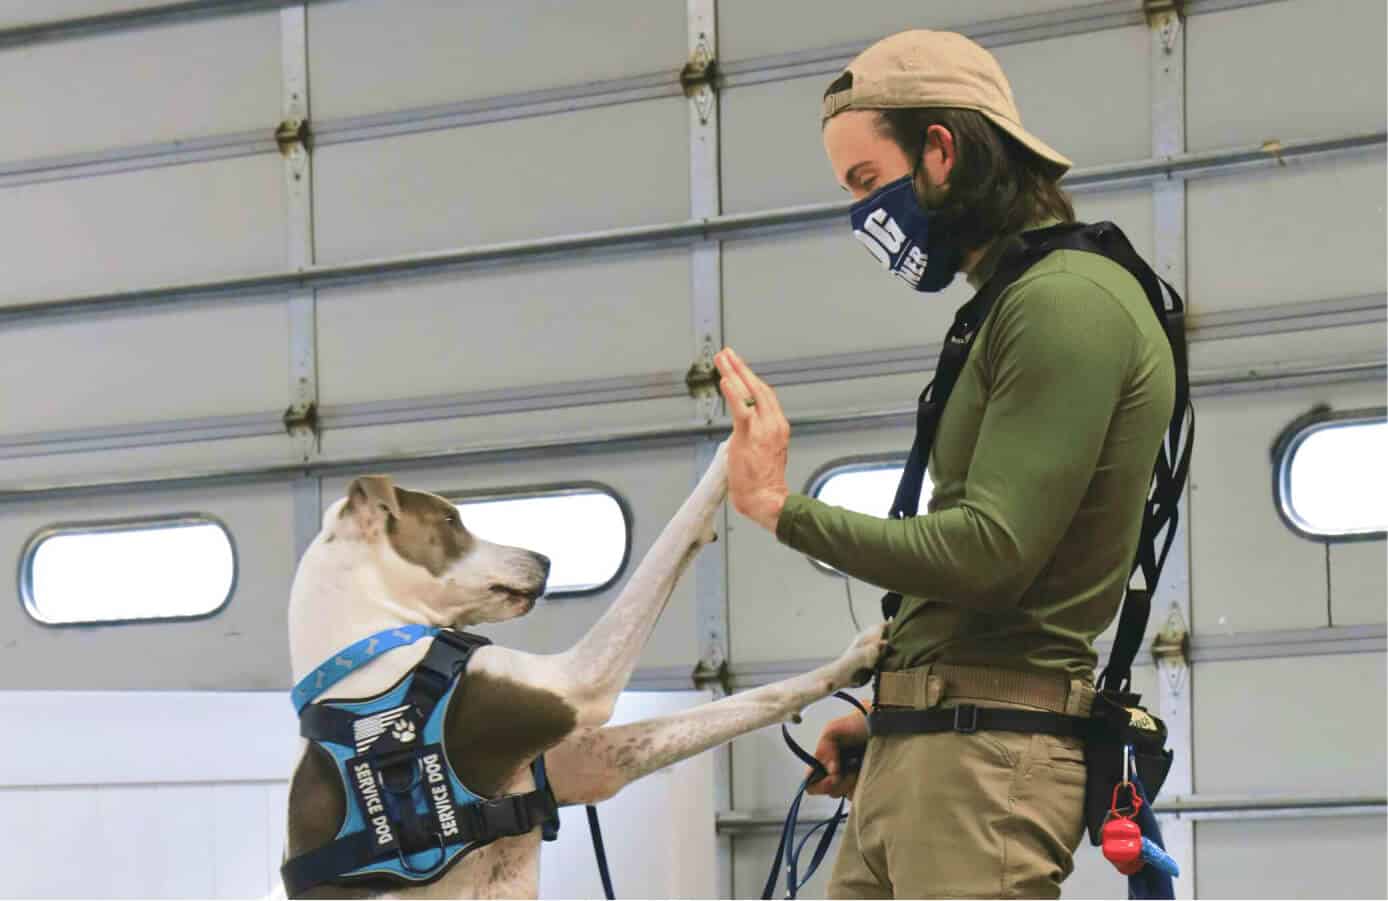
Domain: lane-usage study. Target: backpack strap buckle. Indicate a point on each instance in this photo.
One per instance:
(966, 719)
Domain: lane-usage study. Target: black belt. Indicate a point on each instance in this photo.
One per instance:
(967, 718)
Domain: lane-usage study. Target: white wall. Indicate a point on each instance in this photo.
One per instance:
(183, 794)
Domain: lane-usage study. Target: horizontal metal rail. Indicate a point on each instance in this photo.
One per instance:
(727, 227)
(142, 17)
(1094, 17)
(823, 61)
(1337, 312)
(1279, 644)
(1195, 807)
(1323, 642)
(1022, 29)
(1202, 384)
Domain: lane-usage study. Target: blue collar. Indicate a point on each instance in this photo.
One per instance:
(344, 662)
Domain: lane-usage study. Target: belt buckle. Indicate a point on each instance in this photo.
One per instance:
(966, 719)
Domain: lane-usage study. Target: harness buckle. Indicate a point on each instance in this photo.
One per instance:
(512, 817)
(966, 719)
(500, 817)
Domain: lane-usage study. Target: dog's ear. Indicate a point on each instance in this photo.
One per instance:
(369, 493)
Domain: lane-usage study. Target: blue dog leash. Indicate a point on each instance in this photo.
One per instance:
(788, 850)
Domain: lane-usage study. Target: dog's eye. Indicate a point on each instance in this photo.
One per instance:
(453, 520)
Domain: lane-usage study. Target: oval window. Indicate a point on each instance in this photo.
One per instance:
(1331, 477)
(584, 532)
(128, 571)
(866, 486)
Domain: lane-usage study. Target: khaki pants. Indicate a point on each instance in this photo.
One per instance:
(980, 815)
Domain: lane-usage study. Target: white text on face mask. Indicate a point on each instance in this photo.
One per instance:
(882, 236)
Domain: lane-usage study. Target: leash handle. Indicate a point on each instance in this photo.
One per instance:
(788, 850)
(599, 852)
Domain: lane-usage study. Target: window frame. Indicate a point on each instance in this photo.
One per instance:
(30, 605)
(559, 489)
(1284, 451)
(839, 466)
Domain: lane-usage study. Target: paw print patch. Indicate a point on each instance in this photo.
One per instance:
(394, 722)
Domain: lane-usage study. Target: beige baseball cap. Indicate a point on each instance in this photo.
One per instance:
(933, 69)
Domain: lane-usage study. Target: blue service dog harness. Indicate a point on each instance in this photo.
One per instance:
(409, 817)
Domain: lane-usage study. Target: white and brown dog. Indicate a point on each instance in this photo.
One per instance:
(388, 556)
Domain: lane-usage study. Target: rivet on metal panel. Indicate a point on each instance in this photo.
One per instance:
(699, 78)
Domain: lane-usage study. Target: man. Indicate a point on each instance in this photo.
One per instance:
(1041, 464)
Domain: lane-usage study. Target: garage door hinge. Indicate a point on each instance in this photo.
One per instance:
(292, 133)
(1166, 17)
(1172, 644)
(301, 418)
(702, 378)
(699, 78)
(1155, 9)
(705, 676)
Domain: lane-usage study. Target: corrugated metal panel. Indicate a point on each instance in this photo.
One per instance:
(1330, 858)
(115, 90)
(1285, 71)
(1319, 720)
(1249, 571)
(1358, 582)
(1286, 235)
(148, 365)
(615, 166)
(785, 26)
(428, 53)
(141, 229)
(496, 327)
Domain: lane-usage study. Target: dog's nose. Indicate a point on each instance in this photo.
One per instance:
(543, 561)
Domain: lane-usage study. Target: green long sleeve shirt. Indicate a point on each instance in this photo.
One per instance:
(1040, 468)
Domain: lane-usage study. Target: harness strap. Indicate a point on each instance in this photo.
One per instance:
(1173, 460)
(477, 823)
(323, 722)
(968, 718)
(444, 662)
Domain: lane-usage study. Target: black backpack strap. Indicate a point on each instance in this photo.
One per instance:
(1161, 513)
(1023, 252)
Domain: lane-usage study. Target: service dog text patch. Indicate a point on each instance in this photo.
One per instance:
(366, 787)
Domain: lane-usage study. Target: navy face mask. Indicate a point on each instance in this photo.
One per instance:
(906, 239)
